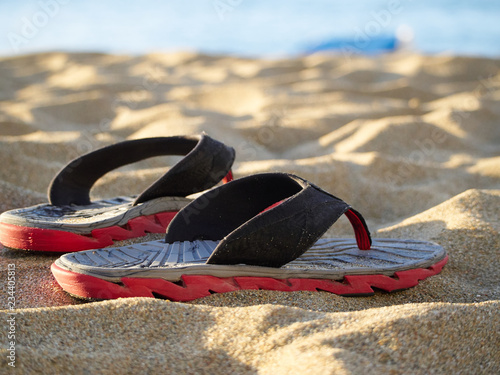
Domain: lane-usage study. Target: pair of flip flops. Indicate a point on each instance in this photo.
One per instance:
(258, 232)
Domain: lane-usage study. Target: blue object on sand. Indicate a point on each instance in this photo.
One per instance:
(359, 44)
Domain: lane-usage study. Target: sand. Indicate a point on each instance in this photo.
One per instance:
(410, 141)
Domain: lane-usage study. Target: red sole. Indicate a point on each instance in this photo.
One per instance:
(39, 239)
(193, 287)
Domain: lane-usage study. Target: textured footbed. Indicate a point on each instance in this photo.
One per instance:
(73, 228)
(158, 269)
(83, 219)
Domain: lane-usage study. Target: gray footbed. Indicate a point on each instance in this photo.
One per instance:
(83, 219)
(327, 259)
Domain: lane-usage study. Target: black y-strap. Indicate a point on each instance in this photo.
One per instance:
(206, 162)
(249, 233)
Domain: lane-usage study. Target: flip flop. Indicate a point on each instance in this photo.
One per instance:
(71, 222)
(257, 232)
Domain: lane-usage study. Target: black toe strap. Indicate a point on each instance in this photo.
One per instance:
(207, 162)
(237, 214)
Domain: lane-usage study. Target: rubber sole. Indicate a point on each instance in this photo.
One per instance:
(191, 287)
(52, 240)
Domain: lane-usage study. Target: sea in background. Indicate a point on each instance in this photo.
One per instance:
(254, 28)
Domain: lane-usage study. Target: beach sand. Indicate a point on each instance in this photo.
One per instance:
(413, 142)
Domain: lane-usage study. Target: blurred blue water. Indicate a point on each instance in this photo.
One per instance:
(245, 27)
